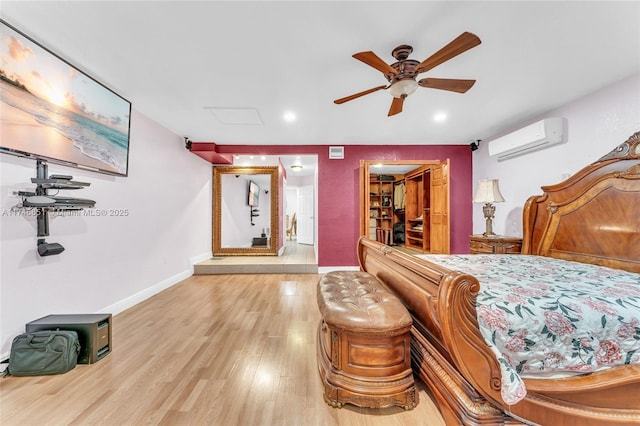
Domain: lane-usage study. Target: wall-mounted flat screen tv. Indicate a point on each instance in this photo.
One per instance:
(254, 194)
(51, 110)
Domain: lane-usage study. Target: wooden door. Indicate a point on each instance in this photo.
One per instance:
(415, 210)
(364, 197)
(439, 217)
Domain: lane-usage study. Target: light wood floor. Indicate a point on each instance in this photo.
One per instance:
(211, 350)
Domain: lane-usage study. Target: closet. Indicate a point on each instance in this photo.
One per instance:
(417, 201)
(408, 207)
(381, 208)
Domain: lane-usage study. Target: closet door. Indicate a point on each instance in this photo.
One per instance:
(415, 211)
(440, 241)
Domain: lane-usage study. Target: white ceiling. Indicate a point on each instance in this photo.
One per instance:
(178, 60)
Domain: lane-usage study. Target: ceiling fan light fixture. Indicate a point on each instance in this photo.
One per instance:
(403, 88)
(401, 75)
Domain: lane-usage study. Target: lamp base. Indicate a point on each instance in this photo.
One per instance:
(489, 209)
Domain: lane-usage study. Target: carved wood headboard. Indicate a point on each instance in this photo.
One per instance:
(592, 217)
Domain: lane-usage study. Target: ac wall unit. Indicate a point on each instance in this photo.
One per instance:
(533, 137)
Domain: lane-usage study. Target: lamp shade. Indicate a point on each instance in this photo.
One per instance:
(488, 192)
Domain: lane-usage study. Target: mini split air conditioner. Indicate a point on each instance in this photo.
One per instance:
(533, 137)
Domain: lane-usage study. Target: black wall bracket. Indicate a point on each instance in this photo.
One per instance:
(45, 203)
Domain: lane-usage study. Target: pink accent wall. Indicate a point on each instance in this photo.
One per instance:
(338, 191)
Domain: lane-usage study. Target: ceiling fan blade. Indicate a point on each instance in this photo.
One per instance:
(374, 61)
(461, 44)
(357, 95)
(453, 85)
(396, 106)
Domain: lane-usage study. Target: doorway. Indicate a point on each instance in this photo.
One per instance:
(299, 192)
(421, 221)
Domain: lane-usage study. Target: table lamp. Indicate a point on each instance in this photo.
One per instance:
(488, 192)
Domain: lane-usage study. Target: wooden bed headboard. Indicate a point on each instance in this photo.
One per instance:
(592, 217)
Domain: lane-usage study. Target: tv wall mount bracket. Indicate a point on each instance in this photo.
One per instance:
(45, 203)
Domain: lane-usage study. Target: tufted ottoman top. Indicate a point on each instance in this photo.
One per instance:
(355, 301)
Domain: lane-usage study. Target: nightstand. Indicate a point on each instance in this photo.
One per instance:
(497, 244)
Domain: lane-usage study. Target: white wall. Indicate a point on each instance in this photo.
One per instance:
(597, 123)
(110, 262)
(291, 200)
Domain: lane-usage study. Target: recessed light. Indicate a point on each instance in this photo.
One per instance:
(289, 116)
(439, 117)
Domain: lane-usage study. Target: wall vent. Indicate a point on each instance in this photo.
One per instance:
(336, 152)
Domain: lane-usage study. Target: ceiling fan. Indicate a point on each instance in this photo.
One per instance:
(402, 74)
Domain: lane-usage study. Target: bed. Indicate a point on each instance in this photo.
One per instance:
(583, 234)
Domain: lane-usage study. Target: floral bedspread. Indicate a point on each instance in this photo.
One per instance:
(542, 315)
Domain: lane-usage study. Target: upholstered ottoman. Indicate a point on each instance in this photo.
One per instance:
(364, 355)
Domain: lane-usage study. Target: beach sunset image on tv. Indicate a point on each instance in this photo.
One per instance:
(52, 110)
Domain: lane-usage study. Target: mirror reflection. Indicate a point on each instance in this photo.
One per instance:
(245, 211)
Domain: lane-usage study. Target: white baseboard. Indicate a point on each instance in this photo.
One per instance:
(325, 269)
(199, 258)
(143, 295)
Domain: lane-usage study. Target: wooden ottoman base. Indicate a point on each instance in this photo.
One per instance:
(364, 343)
(375, 375)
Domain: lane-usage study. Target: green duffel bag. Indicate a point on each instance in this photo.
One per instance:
(43, 352)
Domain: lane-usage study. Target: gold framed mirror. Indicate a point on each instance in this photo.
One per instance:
(245, 211)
